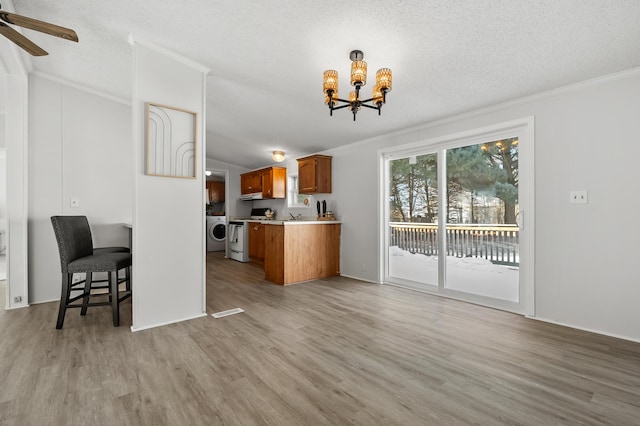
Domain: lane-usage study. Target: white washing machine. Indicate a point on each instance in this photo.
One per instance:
(216, 233)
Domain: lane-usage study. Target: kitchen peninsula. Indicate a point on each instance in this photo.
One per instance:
(297, 251)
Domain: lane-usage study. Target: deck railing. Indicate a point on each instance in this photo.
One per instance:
(497, 243)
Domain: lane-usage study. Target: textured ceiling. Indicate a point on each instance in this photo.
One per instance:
(264, 90)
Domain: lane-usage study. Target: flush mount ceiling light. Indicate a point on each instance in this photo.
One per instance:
(278, 156)
(358, 79)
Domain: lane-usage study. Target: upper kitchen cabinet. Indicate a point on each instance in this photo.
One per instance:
(274, 182)
(314, 174)
(216, 191)
(251, 182)
(271, 182)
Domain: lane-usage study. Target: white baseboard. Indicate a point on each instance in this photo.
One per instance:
(360, 279)
(134, 329)
(590, 330)
(18, 306)
(39, 302)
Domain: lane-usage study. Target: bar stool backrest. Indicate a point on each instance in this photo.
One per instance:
(74, 238)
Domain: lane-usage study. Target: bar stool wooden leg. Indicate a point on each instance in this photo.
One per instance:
(64, 298)
(87, 293)
(115, 304)
(127, 275)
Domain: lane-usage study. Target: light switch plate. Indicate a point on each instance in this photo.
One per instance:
(75, 202)
(578, 197)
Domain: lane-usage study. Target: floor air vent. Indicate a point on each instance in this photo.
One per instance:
(227, 312)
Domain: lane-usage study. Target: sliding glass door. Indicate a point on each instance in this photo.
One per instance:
(452, 219)
(482, 244)
(413, 216)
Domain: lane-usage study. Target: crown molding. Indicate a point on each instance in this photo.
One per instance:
(132, 39)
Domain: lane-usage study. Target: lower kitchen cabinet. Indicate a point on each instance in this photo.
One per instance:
(299, 253)
(256, 242)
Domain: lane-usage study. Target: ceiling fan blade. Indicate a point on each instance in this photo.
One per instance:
(21, 40)
(43, 27)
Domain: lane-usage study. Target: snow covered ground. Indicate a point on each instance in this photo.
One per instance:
(468, 274)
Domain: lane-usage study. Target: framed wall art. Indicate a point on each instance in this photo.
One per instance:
(171, 141)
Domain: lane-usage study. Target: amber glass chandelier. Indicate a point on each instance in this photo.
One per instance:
(358, 79)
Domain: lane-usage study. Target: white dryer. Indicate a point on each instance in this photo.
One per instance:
(216, 233)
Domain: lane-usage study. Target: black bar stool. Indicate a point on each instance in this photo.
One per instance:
(77, 255)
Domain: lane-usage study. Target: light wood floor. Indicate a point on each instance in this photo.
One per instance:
(330, 352)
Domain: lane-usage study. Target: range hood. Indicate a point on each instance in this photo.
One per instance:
(252, 196)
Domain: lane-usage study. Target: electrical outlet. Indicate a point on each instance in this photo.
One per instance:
(578, 197)
(363, 268)
(75, 202)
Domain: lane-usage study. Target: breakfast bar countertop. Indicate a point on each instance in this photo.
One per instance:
(300, 222)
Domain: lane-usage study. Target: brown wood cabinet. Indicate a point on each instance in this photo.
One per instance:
(314, 174)
(256, 242)
(216, 191)
(271, 182)
(274, 182)
(296, 253)
(251, 182)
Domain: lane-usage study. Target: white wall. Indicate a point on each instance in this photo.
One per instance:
(14, 68)
(3, 189)
(3, 98)
(17, 144)
(169, 213)
(586, 137)
(3, 128)
(80, 147)
(3, 167)
(3, 202)
(3, 162)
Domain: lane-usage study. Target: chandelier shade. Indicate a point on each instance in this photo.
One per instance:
(358, 78)
(331, 80)
(383, 78)
(358, 73)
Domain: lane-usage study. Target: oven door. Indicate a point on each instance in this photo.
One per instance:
(235, 237)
